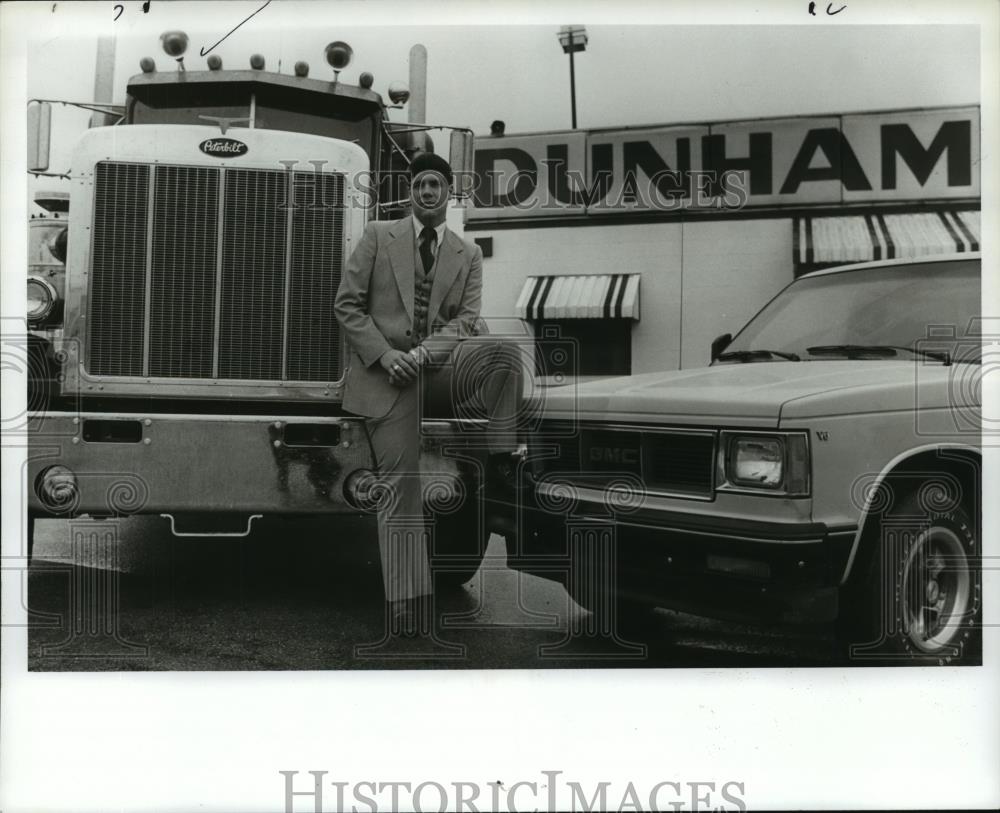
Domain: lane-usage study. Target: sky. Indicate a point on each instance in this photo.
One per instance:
(630, 74)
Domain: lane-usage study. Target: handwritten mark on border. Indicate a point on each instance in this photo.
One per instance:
(206, 52)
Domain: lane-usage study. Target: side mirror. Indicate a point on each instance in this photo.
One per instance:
(460, 156)
(39, 132)
(720, 343)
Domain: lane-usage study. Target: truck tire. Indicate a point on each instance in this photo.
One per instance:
(631, 619)
(918, 599)
(458, 543)
(636, 620)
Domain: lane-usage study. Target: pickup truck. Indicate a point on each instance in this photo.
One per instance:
(824, 468)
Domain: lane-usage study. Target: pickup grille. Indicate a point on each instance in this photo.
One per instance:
(197, 272)
(676, 462)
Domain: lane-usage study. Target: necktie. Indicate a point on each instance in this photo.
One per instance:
(427, 239)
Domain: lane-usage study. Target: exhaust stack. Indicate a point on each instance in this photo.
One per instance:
(418, 85)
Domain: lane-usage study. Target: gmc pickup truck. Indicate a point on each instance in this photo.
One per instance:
(824, 468)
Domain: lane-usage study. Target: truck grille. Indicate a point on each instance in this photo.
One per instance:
(676, 462)
(207, 273)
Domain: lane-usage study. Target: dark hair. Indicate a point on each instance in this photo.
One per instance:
(429, 160)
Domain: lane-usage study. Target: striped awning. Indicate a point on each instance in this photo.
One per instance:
(585, 296)
(857, 238)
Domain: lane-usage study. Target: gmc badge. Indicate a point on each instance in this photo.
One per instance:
(223, 147)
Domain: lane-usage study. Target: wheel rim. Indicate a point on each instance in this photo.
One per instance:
(936, 590)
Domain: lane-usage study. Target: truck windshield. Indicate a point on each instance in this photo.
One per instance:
(902, 311)
(273, 109)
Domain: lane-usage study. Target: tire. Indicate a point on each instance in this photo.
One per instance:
(917, 600)
(31, 537)
(630, 619)
(637, 620)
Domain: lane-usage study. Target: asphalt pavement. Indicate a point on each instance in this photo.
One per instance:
(307, 594)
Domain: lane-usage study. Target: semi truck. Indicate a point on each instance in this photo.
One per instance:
(185, 357)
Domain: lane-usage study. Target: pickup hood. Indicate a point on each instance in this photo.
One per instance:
(760, 393)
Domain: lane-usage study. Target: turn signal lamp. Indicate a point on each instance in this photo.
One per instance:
(57, 489)
(360, 489)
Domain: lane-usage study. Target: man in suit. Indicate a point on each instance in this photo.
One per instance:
(409, 296)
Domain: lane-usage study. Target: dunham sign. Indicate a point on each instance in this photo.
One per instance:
(892, 157)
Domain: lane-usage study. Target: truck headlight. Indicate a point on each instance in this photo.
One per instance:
(778, 463)
(41, 299)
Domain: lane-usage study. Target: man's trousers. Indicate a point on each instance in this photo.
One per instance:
(483, 379)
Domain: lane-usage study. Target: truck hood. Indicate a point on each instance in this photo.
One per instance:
(761, 393)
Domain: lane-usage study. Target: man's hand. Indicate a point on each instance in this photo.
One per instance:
(402, 367)
(421, 355)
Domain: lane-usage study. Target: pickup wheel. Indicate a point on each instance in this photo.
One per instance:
(918, 600)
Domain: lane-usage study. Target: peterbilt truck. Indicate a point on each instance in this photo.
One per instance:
(185, 356)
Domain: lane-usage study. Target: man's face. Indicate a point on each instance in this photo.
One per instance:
(429, 194)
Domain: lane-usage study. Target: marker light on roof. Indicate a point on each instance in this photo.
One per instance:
(339, 54)
(175, 43)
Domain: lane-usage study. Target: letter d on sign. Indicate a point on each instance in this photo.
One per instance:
(526, 173)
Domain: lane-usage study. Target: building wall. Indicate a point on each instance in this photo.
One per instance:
(699, 279)
(731, 269)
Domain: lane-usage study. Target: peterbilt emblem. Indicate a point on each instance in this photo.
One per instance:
(611, 454)
(223, 147)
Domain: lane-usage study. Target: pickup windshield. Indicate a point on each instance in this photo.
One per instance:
(921, 311)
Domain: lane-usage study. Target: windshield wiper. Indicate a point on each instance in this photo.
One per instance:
(756, 355)
(855, 351)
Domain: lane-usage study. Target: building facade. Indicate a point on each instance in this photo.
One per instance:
(640, 245)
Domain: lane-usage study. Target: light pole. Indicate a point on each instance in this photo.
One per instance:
(572, 38)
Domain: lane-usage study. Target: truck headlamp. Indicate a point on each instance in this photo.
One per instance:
(778, 463)
(41, 299)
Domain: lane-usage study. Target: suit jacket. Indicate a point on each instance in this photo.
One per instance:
(374, 306)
